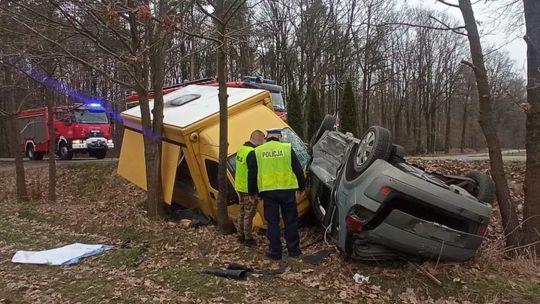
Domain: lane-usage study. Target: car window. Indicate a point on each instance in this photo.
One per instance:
(212, 168)
(212, 172)
(231, 163)
(298, 145)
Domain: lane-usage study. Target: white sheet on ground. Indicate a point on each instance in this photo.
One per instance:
(67, 255)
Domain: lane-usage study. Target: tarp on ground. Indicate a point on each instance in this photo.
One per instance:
(67, 255)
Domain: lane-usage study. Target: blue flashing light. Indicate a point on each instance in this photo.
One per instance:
(95, 105)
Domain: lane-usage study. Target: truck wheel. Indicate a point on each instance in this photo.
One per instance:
(64, 152)
(32, 154)
(100, 154)
(375, 144)
(484, 188)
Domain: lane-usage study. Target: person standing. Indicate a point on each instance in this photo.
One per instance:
(275, 174)
(248, 204)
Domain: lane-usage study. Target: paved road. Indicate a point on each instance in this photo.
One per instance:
(508, 155)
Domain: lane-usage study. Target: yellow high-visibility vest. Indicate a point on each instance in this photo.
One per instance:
(275, 167)
(241, 174)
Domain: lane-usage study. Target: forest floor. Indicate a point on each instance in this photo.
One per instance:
(161, 261)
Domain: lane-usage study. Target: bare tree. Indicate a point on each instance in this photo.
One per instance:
(532, 176)
(487, 122)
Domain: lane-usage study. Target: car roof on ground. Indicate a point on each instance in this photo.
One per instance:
(193, 103)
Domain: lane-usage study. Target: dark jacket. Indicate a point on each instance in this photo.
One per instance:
(253, 171)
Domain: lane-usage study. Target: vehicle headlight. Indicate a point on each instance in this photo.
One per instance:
(109, 141)
(77, 141)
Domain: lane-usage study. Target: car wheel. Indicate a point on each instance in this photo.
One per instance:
(483, 189)
(328, 124)
(64, 152)
(375, 144)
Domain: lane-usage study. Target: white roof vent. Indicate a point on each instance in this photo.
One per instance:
(183, 99)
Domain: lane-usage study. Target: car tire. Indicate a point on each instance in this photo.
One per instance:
(375, 144)
(64, 152)
(328, 124)
(484, 190)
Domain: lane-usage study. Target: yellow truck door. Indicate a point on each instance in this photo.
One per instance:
(132, 162)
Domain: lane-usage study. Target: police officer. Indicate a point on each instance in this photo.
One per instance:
(275, 174)
(248, 204)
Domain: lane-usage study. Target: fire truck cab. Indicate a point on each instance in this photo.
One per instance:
(79, 128)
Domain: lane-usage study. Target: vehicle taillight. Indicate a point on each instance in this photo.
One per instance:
(482, 229)
(384, 190)
(354, 224)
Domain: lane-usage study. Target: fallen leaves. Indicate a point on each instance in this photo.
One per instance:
(113, 203)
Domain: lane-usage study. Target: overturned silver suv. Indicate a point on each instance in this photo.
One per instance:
(374, 205)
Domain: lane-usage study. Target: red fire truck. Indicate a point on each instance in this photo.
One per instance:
(79, 128)
(254, 82)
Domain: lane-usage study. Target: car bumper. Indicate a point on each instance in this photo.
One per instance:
(415, 236)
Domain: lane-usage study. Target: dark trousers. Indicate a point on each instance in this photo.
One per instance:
(286, 201)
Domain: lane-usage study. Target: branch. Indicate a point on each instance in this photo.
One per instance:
(71, 55)
(429, 27)
(213, 16)
(448, 3)
(453, 29)
(228, 17)
(469, 64)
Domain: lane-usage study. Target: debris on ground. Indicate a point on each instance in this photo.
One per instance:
(359, 278)
(317, 257)
(66, 255)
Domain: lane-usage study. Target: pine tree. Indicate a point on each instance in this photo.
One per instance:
(294, 113)
(314, 118)
(348, 116)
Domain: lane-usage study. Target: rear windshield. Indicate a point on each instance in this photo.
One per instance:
(91, 117)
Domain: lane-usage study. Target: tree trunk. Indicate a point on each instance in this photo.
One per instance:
(532, 175)
(22, 194)
(487, 123)
(52, 146)
(448, 126)
(224, 224)
(13, 140)
(464, 124)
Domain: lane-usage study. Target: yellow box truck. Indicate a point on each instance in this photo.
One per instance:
(190, 142)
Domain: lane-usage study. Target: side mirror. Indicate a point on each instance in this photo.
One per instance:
(67, 122)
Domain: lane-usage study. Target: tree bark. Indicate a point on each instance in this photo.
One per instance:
(465, 118)
(52, 145)
(13, 132)
(224, 223)
(487, 123)
(22, 193)
(448, 125)
(532, 175)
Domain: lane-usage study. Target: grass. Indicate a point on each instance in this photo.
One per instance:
(161, 262)
(30, 213)
(129, 257)
(126, 234)
(9, 233)
(189, 280)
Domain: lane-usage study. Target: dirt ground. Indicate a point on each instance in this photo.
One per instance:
(162, 262)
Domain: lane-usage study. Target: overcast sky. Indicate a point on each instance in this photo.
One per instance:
(495, 30)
